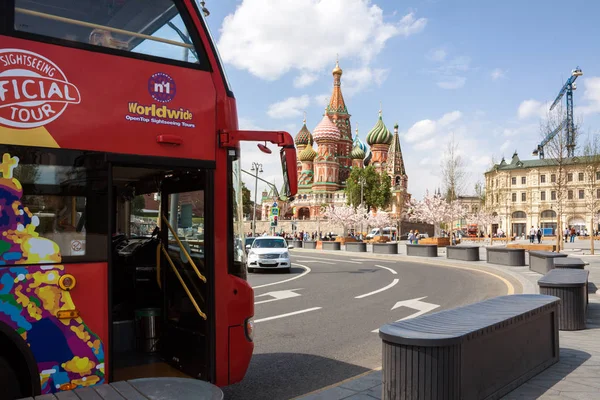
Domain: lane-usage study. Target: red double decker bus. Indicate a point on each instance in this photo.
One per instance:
(121, 245)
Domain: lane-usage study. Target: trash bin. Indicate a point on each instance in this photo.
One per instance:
(148, 329)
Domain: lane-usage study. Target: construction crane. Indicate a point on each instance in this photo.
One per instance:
(568, 123)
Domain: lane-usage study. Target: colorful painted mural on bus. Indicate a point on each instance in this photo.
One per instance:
(68, 353)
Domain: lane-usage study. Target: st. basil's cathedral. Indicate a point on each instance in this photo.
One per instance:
(322, 173)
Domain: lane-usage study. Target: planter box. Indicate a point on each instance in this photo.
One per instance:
(422, 250)
(385, 248)
(347, 239)
(331, 246)
(543, 261)
(438, 241)
(505, 256)
(297, 244)
(356, 247)
(310, 245)
(464, 253)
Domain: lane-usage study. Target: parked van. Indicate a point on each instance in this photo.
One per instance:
(388, 232)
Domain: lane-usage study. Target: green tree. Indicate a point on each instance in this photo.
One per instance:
(376, 188)
(137, 205)
(247, 203)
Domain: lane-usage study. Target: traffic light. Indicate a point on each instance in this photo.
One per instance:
(274, 220)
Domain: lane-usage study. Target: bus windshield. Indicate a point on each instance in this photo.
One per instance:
(152, 27)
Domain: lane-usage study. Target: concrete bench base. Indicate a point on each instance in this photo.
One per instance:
(570, 285)
(422, 250)
(385, 248)
(464, 253)
(569, 263)
(142, 389)
(356, 247)
(505, 256)
(543, 261)
(297, 244)
(479, 351)
(331, 245)
(310, 245)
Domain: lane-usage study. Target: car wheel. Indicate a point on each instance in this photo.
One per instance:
(288, 270)
(250, 270)
(9, 381)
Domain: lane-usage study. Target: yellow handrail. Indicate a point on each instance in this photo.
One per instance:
(187, 255)
(187, 291)
(96, 26)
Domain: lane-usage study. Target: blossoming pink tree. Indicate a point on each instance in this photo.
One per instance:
(378, 220)
(455, 212)
(345, 216)
(483, 219)
(432, 209)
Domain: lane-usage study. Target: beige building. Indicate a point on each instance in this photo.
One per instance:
(523, 193)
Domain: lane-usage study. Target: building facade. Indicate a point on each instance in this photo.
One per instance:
(523, 193)
(322, 172)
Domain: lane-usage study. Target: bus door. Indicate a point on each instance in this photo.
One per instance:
(187, 273)
(160, 272)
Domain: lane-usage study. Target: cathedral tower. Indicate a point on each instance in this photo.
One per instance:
(379, 138)
(338, 113)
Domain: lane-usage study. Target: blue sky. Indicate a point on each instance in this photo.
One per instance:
(481, 70)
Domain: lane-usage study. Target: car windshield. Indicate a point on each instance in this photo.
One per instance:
(249, 241)
(269, 243)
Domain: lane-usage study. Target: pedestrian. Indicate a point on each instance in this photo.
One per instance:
(453, 239)
(416, 237)
(572, 234)
(539, 235)
(566, 233)
(411, 237)
(532, 233)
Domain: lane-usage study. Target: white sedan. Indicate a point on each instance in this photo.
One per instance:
(269, 252)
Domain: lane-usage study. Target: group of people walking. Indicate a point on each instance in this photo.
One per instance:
(535, 233)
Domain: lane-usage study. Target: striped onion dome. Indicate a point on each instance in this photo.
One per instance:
(359, 143)
(380, 134)
(357, 153)
(308, 154)
(326, 130)
(304, 138)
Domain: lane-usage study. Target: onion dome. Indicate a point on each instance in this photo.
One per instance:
(357, 153)
(308, 154)
(304, 138)
(379, 134)
(326, 130)
(359, 143)
(337, 70)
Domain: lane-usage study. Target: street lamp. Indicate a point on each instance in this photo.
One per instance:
(257, 168)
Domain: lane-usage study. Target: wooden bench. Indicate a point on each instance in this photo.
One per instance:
(534, 247)
(331, 246)
(357, 247)
(422, 250)
(479, 351)
(505, 256)
(569, 263)
(142, 389)
(570, 285)
(385, 248)
(543, 261)
(464, 253)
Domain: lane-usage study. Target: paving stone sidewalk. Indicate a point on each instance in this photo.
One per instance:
(575, 376)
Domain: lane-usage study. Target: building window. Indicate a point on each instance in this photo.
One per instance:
(523, 196)
(514, 197)
(570, 177)
(542, 196)
(598, 175)
(519, 214)
(523, 180)
(598, 193)
(553, 178)
(513, 180)
(549, 214)
(553, 195)
(581, 194)
(570, 195)
(580, 177)
(542, 178)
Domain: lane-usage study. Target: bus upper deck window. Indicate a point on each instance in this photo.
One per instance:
(153, 27)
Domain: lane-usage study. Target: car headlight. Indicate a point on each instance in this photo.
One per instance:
(251, 253)
(285, 255)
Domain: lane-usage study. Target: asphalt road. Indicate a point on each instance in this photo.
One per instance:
(314, 327)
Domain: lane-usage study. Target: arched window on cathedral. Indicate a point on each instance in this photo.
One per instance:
(397, 181)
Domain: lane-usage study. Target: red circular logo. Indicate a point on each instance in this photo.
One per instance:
(33, 90)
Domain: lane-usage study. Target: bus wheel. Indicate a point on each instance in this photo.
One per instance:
(9, 381)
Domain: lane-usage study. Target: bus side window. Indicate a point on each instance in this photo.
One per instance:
(153, 28)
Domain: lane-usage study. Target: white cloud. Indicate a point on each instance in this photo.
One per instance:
(505, 145)
(438, 55)
(322, 100)
(305, 79)
(248, 124)
(290, 107)
(497, 74)
(357, 80)
(455, 82)
(591, 95)
(424, 129)
(532, 108)
(449, 118)
(425, 161)
(269, 38)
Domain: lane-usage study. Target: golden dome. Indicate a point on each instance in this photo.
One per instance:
(337, 69)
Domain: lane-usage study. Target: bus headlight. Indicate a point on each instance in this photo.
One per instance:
(67, 282)
(249, 328)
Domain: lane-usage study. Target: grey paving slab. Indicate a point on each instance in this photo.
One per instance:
(336, 393)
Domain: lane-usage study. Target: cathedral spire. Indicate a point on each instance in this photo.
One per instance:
(395, 161)
(336, 103)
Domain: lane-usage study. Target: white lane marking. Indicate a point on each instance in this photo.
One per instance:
(286, 280)
(328, 259)
(287, 315)
(278, 295)
(394, 282)
(416, 304)
(388, 268)
(317, 262)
